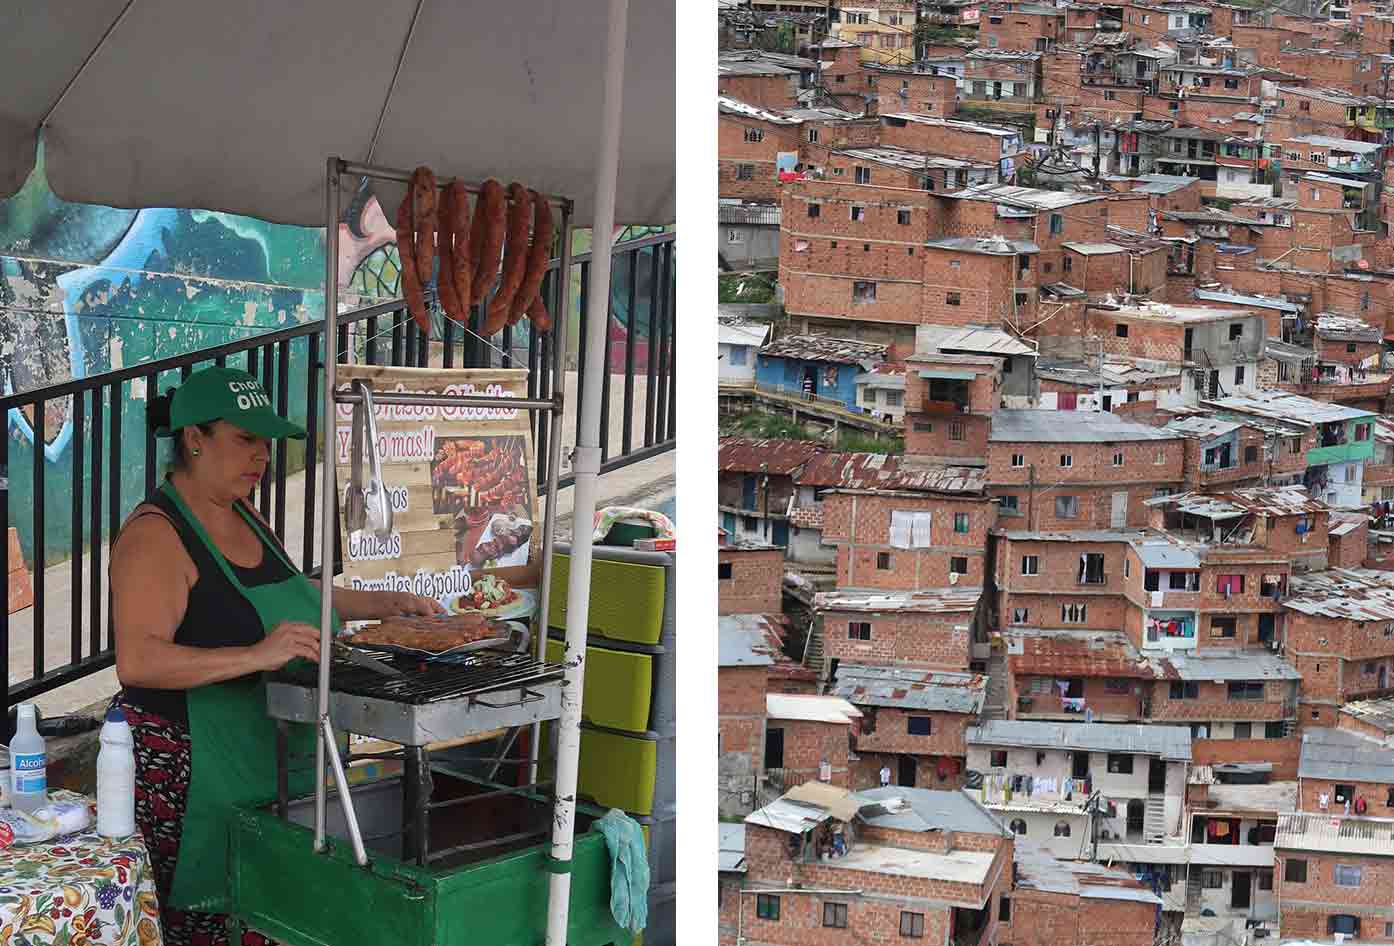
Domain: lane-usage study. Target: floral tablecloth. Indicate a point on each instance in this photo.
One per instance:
(79, 890)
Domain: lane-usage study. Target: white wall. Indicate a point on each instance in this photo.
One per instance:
(727, 371)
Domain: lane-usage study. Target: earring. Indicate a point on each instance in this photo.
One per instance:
(195, 451)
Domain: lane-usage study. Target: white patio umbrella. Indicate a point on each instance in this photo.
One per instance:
(236, 107)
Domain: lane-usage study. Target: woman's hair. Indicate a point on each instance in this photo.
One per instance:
(157, 417)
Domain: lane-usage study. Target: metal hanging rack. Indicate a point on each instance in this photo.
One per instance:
(326, 750)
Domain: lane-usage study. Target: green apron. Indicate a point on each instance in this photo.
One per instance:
(233, 739)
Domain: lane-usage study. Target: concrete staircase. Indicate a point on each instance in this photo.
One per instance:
(1154, 819)
(995, 706)
(813, 649)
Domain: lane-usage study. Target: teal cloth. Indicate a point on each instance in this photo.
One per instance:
(629, 869)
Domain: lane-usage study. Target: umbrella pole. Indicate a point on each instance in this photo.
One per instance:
(328, 491)
(587, 469)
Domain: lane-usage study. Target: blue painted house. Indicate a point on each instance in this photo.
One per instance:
(817, 365)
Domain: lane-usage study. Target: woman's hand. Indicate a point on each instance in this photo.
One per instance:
(391, 604)
(287, 640)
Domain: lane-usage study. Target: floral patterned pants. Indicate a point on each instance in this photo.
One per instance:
(164, 764)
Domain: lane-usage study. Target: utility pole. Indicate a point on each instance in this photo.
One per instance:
(1384, 135)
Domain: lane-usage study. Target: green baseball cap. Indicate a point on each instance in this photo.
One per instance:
(230, 395)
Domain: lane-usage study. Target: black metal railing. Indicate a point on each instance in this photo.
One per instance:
(70, 517)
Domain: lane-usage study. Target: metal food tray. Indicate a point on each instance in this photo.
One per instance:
(483, 692)
(516, 642)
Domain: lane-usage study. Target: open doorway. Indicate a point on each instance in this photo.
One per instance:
(905, 776)
(1156, 777)
(1135, 819)
(1240, 881)
(810, 380)
(1079, 765)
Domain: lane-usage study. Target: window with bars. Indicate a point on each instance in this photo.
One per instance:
(754, 135)
(911, 925)
(835, 915)
(859, 631)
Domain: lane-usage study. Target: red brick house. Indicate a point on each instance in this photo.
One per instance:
(1335, 875)
(913, 722)
(1340, 637)
(912, 863)
(928, 629)
(807, 738)
(1071, 469)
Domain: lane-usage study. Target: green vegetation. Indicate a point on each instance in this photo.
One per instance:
(745, 287)
(771, 427)
(941, 34)
(855, 441)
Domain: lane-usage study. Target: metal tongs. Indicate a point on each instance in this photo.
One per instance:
(366, 507)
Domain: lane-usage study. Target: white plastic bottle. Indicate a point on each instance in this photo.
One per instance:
(28, 763)
(116, 778)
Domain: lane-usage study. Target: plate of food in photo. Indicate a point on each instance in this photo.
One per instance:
(492, 597)
(503, 543)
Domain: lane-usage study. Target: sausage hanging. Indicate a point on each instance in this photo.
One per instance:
(462, 253)
(538, 257)
(486, 238)
(515, 259)
(445, 276)
(423, 221)
(411, 282)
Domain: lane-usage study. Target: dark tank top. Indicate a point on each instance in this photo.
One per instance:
(217, 614)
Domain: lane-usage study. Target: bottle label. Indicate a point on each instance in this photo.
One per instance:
(30, 774)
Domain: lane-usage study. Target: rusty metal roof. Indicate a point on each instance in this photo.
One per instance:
(928, 601)
(1074, 653)
(880, 471)
(911, 689)
(825, 348)
(1346, 328)
(778, 457)
(1291, 500)
(1356, 594)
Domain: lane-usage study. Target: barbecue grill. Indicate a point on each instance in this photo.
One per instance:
(431, 702)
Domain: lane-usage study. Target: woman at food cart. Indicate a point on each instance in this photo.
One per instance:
(205, 601)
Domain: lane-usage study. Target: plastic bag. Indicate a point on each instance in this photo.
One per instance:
(54, 820)
(607, 517)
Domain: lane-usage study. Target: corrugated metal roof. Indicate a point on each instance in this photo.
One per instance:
(825, 348)
(1039, 426)
(1378, 713)
(776, 457)
(880, 471)
(976, 127)
(1346, 328)
(970, 338)
(788, 816)
(1070, 653)
(928, 601)
(732, 106)
(1335, 834)
(1172, 743)
(913, 160)
(1222, 667)
(1258, 302)
(1289, 408)
(750, 336)
(743, 641)
(1202, 427)
(1291, 500)
(1343, 593)
(809, 708)
(991, 246)
(1095, 249)
(730, 840)
(911, 689)
(1339, 144)
(1164, 184)
(1024, 196)
(1038, 869)
(922, 809)
(1342, 756)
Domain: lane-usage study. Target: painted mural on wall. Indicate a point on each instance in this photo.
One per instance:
(86, 290)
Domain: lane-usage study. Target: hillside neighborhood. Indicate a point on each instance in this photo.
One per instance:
(1056, 478)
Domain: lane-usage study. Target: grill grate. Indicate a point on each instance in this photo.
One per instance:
(430, 681)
